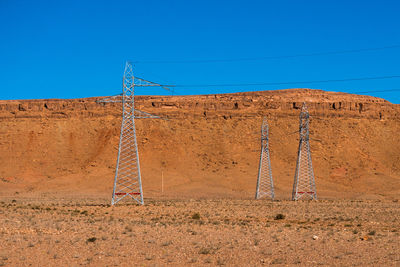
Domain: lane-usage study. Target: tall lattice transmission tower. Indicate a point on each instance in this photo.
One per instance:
(265, 183)
(304, 181)
(127, 180)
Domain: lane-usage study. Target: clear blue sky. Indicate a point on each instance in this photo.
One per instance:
(72, 49)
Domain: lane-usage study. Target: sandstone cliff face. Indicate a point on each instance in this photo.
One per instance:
(238, 105)
(208, 147)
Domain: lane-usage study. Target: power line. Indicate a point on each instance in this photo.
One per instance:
(283, 83)
(348, 92)
(374, 91)
(266, 57)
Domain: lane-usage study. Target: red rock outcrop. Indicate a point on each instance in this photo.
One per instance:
(208, 147)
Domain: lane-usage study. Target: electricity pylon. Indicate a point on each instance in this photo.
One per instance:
(265, 183)
(127, 180)
(304, 181)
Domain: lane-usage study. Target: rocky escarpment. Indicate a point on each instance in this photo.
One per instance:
(208, 146)
(284, 102)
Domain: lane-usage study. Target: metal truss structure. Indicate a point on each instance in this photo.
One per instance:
(127, 180)
(304, 181)
(265, 183)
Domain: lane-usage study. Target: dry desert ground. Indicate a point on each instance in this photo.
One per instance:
(189, 232)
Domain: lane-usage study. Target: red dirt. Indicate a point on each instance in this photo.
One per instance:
(208, 148)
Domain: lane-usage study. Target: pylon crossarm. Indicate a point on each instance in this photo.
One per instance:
(139, 114)
(144, 115)
(142, 82)
(111, 99)
(136, 82)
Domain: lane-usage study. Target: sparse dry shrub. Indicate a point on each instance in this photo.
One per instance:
(196, 216)
(84, 212)
(279, 216)
(149, 258)
(373, 232)
(167, 243)
(256, 242)
(204, 251)
(278, 261)
(220, 262)
(91, 240)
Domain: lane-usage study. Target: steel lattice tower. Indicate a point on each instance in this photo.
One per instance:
(127, 180)
(265, 183)
(304, 181)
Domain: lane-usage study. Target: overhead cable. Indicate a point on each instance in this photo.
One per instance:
(221, 60)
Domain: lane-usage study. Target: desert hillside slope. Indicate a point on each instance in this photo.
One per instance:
(208, 147)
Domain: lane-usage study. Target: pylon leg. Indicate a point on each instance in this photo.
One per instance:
(127, 181)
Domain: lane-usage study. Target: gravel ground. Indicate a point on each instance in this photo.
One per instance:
(73, 232)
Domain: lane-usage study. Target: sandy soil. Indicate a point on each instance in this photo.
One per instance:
(73, 232)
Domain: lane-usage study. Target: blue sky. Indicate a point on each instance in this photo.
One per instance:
(73, 49)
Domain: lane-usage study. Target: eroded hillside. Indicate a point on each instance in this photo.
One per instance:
(208, 147)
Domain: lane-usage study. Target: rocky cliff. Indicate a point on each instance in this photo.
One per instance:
(207, 147)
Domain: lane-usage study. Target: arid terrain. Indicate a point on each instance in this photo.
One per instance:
(57, 166)
(199, 232)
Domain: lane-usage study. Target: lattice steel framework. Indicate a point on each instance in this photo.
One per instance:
(265, 183)
(127, 180)
(304, 181)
